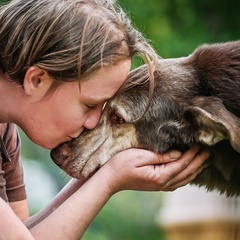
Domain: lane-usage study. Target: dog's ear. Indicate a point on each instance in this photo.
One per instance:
(216, 68)
(205, 121)
(215, 122)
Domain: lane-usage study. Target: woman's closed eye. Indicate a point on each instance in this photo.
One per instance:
(93, 106)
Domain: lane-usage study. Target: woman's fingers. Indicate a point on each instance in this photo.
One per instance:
(142, 157)
(169, 157)
(189, 173)
(137, 169)
(172, 169)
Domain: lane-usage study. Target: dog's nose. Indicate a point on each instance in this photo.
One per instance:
(58, 156)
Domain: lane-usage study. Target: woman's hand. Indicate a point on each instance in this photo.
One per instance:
(137, 169)
(132, 169)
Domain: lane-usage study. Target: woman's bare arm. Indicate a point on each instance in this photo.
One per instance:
(132, 169)
(64, 194)
(20, 208)
(145, 171)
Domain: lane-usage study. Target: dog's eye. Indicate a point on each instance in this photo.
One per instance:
(116, 119)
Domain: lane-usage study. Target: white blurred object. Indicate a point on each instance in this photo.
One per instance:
(191, 204)
(40, 185)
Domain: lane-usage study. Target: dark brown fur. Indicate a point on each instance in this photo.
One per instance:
(196, 101)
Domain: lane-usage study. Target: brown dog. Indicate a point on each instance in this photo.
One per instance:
(196, 101)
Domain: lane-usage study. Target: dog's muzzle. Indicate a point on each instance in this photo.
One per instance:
(58, 156)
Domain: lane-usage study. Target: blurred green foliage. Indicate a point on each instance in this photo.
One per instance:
(174, 28)
(128, 215)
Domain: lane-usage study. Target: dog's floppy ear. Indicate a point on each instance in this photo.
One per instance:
(217, 69)
(215, 122)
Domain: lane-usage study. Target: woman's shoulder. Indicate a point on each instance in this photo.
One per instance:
(9, 141)
(7, 129)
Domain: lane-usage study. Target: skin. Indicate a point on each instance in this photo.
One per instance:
(82, 106)
(21, 209)
(42, 118)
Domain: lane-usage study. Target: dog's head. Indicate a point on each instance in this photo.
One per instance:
(183, 111)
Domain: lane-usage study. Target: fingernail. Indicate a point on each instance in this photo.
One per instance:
(174, 155)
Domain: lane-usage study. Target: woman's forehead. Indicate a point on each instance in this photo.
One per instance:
(105, 82)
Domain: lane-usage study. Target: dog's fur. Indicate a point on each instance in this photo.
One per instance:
(196, 101)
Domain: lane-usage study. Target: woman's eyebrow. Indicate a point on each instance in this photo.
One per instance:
(102, 99)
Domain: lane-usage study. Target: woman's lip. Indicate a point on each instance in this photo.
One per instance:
(69, 138)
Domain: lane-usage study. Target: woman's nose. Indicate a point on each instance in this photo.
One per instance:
(93, 118)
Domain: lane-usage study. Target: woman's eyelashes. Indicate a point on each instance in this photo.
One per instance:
(91, 106)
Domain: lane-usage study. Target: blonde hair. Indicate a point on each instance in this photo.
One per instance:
(68, 38)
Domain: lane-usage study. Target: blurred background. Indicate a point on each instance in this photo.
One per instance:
(174, 28)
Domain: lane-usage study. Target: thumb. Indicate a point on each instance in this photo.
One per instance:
(169, 156)
(146, 157)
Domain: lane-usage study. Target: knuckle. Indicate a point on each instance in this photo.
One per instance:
(160, 158)
(184, 164)
(192, 172)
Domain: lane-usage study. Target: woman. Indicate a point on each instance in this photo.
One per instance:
(60, 61)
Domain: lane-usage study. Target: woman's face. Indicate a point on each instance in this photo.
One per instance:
(64, 114)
